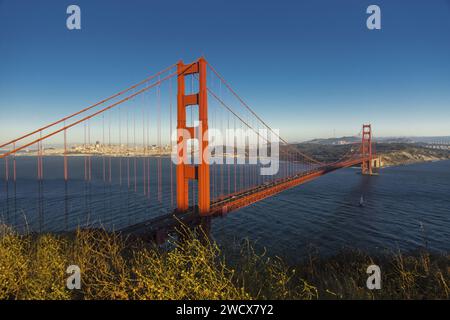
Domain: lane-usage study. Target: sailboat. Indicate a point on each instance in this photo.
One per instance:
(361, 201)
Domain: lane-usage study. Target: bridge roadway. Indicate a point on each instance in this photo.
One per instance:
(158, 228)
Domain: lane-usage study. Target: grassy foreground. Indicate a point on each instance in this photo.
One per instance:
(114, 267)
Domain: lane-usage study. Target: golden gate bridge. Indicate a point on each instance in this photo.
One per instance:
(125, 141)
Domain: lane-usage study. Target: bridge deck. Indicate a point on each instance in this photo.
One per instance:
(159, 227)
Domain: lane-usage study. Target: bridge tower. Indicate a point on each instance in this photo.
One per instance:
(366, 149)
(200, 171)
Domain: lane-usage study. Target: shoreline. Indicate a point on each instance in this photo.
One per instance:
(96, 155)
(407, 163)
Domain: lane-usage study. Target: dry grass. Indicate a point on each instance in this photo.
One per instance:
(115, 267)
(419, 275)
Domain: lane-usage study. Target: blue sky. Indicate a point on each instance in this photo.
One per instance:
(309, 67)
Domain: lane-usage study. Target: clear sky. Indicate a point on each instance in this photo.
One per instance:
(309, 67)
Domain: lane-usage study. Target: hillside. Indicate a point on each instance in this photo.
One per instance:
(392, 153)
(402, 153)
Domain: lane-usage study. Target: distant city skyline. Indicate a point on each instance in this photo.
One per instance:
(310, 68)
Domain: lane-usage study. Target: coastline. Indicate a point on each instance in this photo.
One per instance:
(392, 160)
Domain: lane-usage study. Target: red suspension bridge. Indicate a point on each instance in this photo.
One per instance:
(125, 143)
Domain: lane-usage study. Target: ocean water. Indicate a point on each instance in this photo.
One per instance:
(405, 208)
